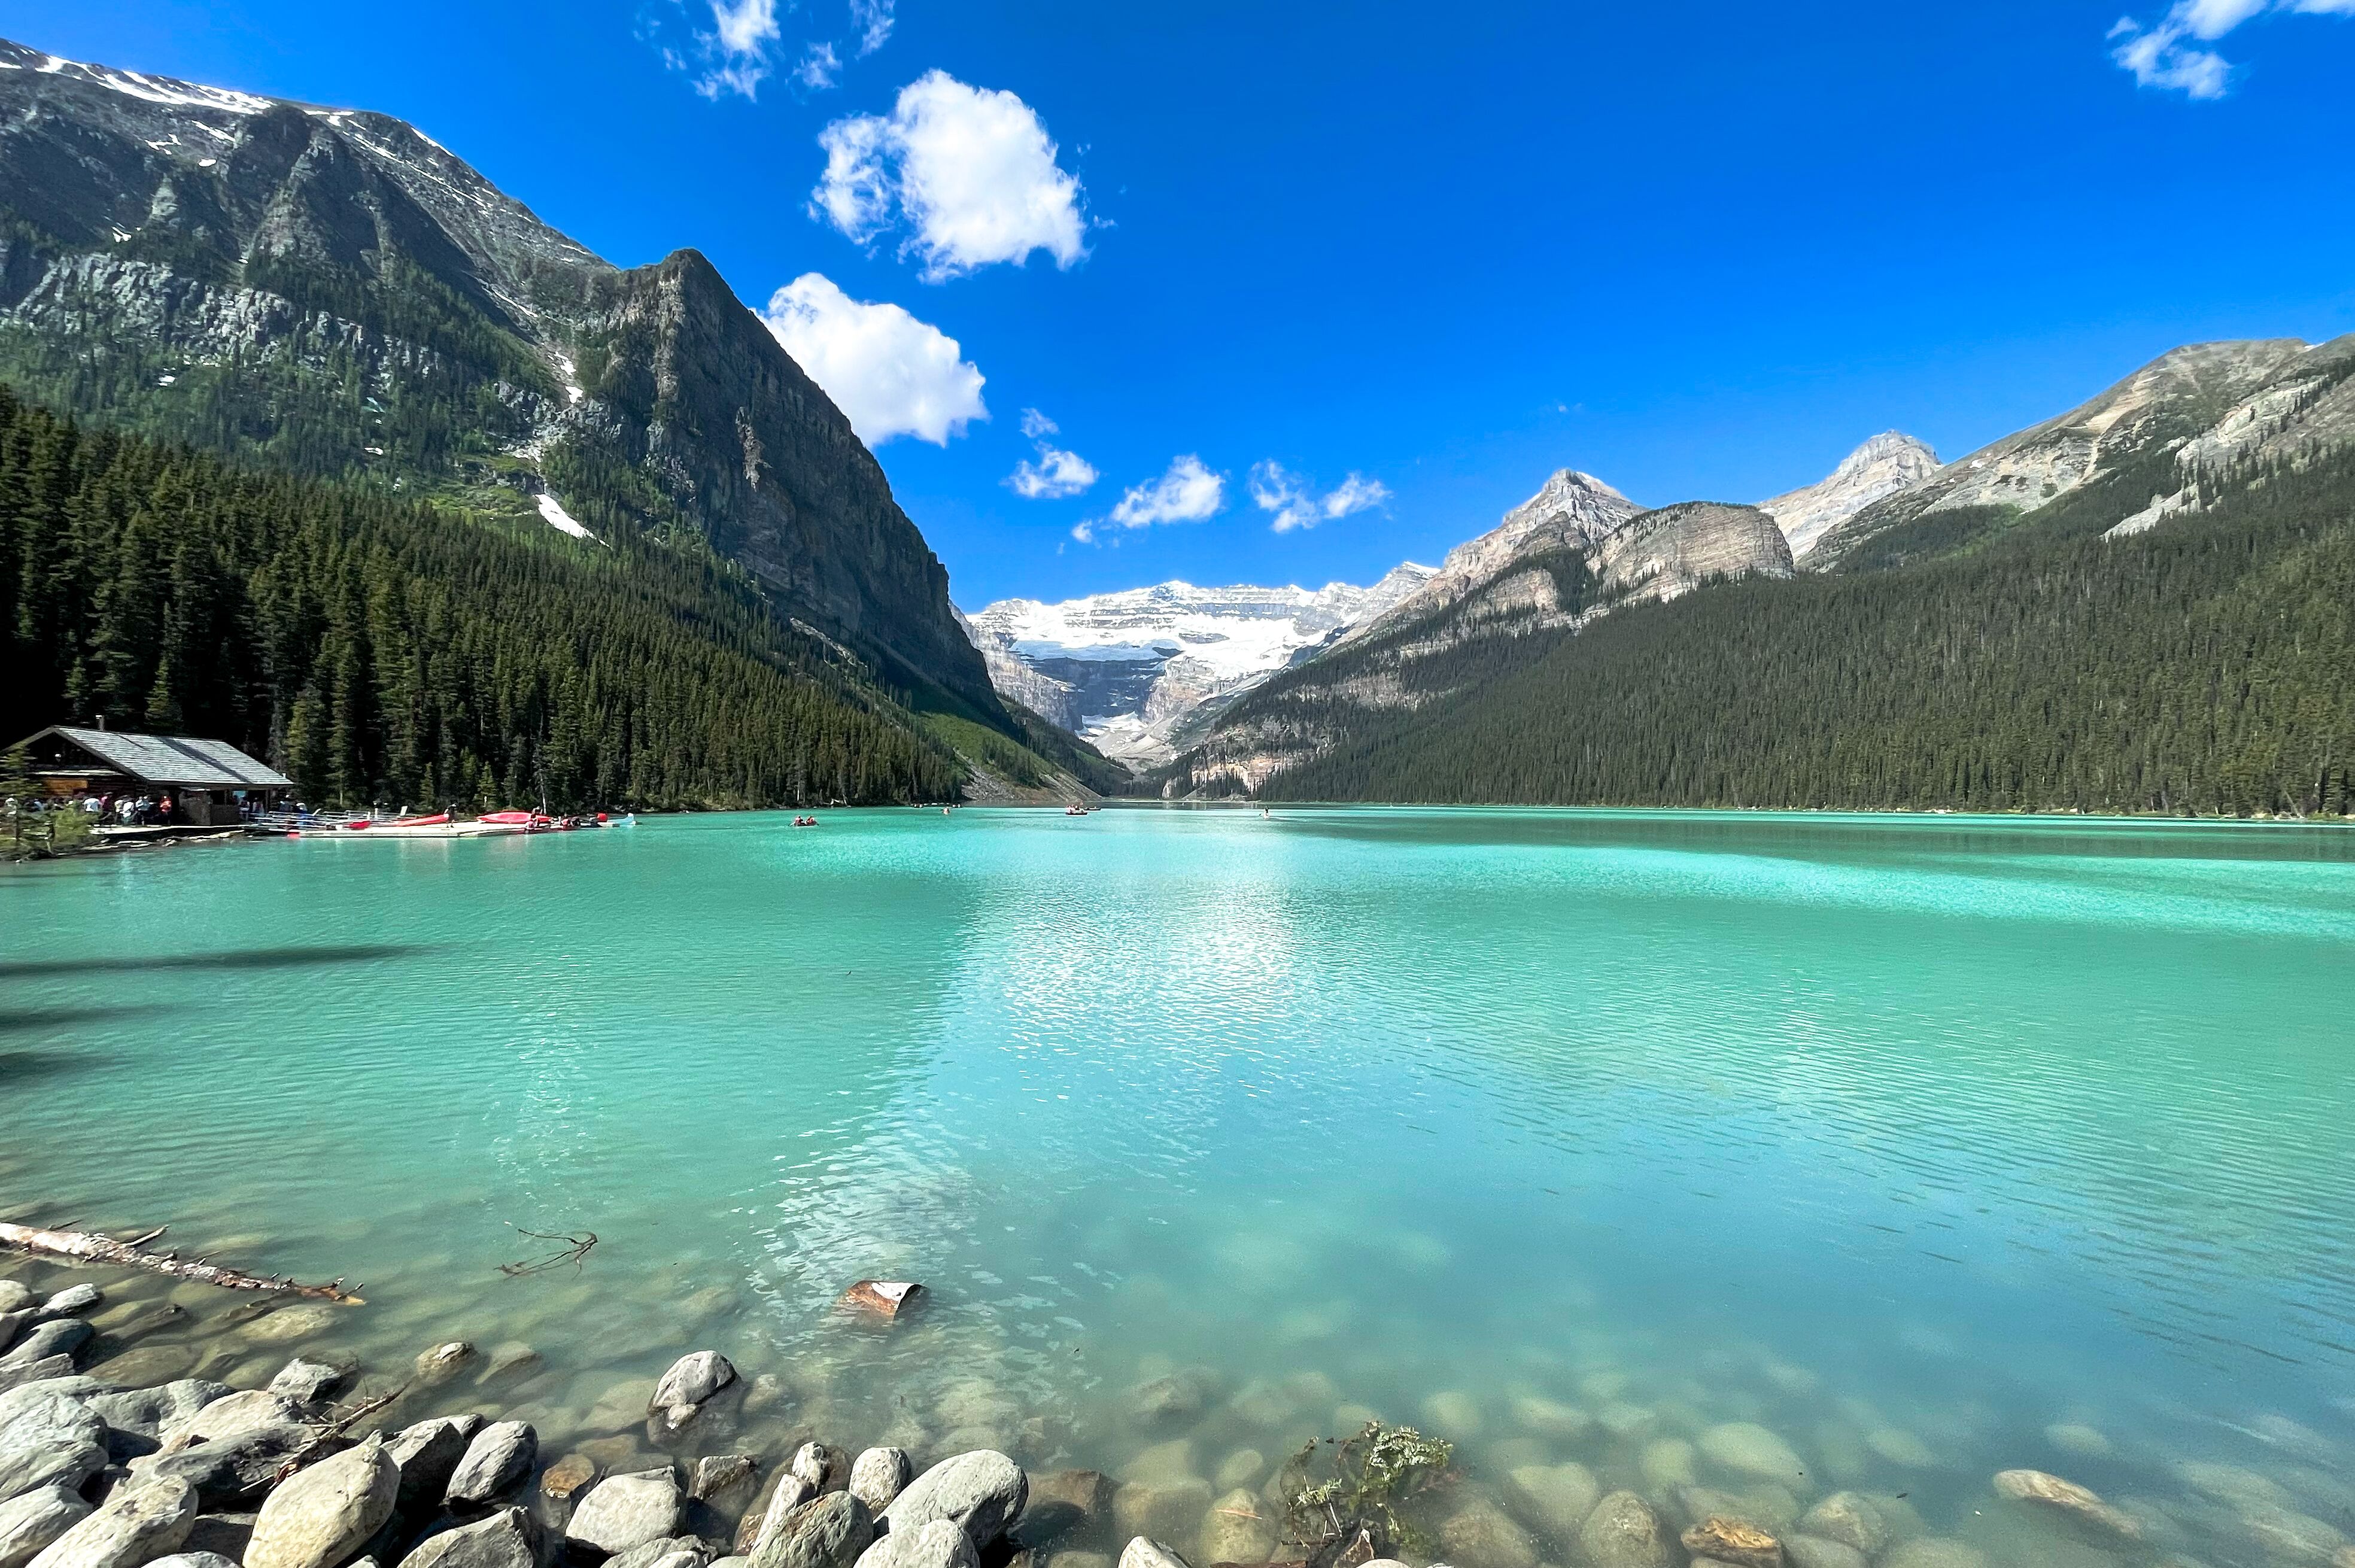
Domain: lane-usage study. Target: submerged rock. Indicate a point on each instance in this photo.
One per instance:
(1144, 1554)
(1065, 1509)
(1735, 1540)
(1555, 1498)
(690, 1382)
(30, 1521)
(1850, 1519)
(1749, 1449)
(1625, 1532)
(1180, 1396)
(567, 1475)
(2079, 1505)
(623, 1511)
(443, 1363)
(1479, 1535)
(1238, 1528)
(878, 1475)
(289, 1323)
(983, 1491)
(1930, 1551)
(1814, 1551)
(145, 1518)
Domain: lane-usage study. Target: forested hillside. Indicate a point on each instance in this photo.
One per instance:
(2207, 664)
(380, 649)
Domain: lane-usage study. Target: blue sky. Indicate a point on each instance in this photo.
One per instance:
(1415, 257)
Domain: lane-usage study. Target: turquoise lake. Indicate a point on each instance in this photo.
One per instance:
(1936, 1146)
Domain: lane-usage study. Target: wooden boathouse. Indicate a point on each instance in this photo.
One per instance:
(209, 782)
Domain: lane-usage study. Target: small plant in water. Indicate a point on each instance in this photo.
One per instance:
(1343, 1496)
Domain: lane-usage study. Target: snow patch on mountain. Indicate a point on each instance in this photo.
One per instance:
(1124, 669)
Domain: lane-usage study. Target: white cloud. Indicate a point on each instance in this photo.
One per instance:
(1187, 493)
(1297, 505)
(873, 20)
(1059, 473)
(745, 43)
(819, 69)
(2169, 55)
(890, 374)
(969, 171)
(737, 46)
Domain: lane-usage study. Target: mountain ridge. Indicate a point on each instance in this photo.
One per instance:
(217, 267)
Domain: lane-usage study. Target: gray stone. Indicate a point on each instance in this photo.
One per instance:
(222, 1534)
(48, 1368)
(147, 1366)
(512, 1360)
(1623, 1532)
(71, 1302)
(983, 1491)
(941, 1543)
(1176, 1397)
(148, 1411)
(146, 1518)
(307, 1382)
(879, 1475)
(13, 1326)
(817, 1465)
(15, 1295)
(691, 1380)
(1555, 1498)
(500, 1456)
(686, 1548)
(203, 1560)
(721, 1477)
(321, 1516)
(788, 1493)
(623, 1511)
(67, 1337)
(30, 1521)
(426, 1454)
(229, 1471)
(254, 1410)
(507, 1539)
(1144, 1554)
(1478, 1534)
(49, 1441)
(829, 1532)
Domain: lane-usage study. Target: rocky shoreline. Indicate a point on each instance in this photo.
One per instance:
(149, 1423)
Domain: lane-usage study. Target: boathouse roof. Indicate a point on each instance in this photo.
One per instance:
(168, 759)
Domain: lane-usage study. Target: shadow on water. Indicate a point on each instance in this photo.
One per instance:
(251, 958)
(19, 1068)
(18, 1020)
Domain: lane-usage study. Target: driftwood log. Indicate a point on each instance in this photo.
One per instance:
(88, 1247)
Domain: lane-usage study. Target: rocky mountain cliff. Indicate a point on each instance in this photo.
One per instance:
(1129, 670)
(2138, 450)
(329, 289)
(1888, 464)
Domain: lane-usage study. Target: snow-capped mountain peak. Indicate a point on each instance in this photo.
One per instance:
(1122, 668)
(1887, 464)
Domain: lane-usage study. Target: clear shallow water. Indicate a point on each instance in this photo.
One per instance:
(1907, 1138)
